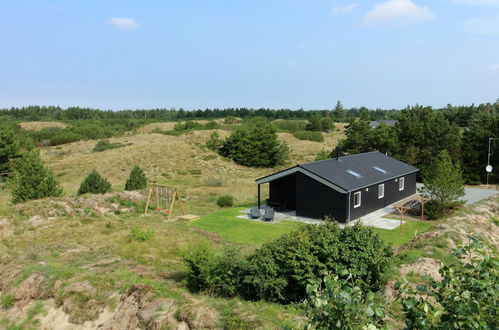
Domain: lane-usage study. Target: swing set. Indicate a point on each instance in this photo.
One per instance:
(165, 197)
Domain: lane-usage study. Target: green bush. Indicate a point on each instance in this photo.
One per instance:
(465, 298)
(94, 183)
(214, 142)
(255, 144)
(225, 201)
(281, 269)
(137, 179)
(315, 136)
(7, 301)
(104, 145)
(289, 125)
(218, 274)
(323, 155)
(140, 235)
(33, 180)
(338, 304)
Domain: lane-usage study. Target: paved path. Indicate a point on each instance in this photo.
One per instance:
(473, 195)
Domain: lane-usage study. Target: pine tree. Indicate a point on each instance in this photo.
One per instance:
(339, 112)
(137, 179)
(33, 180)
(443, 184)
(94, 183)
(9, 148)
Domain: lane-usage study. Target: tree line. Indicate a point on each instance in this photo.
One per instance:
(422, 133)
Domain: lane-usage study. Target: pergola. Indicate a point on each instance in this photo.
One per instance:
(405, 205)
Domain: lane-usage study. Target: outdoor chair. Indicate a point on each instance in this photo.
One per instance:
(255, 212)
(269, 214)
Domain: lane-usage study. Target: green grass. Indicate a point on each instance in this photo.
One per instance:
(409, 229)
(226, 224)
(230, 228)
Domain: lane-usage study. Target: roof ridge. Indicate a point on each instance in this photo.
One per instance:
(347, 156)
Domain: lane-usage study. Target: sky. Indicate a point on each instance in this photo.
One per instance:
(260, 53)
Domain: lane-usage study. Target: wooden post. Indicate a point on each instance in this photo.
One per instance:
(171, 205)
(179, 201)
(148, 200)
(422, 211)
(258, 196)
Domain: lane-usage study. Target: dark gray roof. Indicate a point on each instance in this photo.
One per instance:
(376, 123)
(360, 170)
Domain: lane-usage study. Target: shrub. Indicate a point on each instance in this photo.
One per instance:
(225, 201)
(290, 125)
(281, 269)
(103, 145)
(94, 183)
(137, 179)
(214, 182)
(338, 304)
(315, 136)
(255, 144)
(465, 298)
(322, 155)
(34, 180)
(7, 301)
(218, 274)
(214, 142)
(140, 235)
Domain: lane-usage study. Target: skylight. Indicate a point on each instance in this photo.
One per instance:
(355, 174)
(379, 169)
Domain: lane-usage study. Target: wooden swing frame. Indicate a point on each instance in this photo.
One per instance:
(153, 194)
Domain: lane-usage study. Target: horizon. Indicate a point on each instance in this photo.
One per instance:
(121, 55)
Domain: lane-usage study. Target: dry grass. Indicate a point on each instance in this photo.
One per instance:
(39, 125)
(176, 160)
(167, 126)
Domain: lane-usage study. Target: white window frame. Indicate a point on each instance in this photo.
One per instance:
(360, 199)
(382, 194)
(401, 183)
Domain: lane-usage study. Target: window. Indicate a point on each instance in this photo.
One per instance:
(355, 174)
(401, 184)
(356, 199)
(381, 191)
(379, 169)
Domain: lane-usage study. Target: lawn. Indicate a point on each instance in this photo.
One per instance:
(226, 224)
(409, 229)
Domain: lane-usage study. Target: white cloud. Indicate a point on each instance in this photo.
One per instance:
(338, 10)
(124, 23)
(490, 68)
(480, 3)
(486, 26)
(397, 12)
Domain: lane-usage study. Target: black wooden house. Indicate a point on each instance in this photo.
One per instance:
(343, 188)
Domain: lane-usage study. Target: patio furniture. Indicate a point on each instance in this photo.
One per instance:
(255, 213)
(269, 214)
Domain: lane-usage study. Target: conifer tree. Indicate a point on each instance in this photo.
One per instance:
(9, 148)
(137, 179)
(94, 183)
(33, 180)
(443, 184)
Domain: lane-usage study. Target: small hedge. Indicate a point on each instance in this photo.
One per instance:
(104, 145)
(94, 183)
(315, 136)
(137, 179)
(225, 201)
(281, 269)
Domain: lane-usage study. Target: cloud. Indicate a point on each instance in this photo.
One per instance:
(338, 10)
(293, 63)
(124, 23)
(397, 12)
(486, 26)
(479, 3)
(490, 68)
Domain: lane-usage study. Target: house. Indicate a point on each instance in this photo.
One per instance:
(376, 123)
(343, 188)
